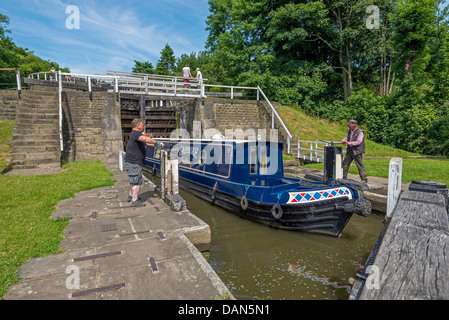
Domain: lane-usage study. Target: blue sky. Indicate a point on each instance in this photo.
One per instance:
(111, 33)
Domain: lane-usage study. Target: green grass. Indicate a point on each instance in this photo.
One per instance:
(5, 142)
(412, 169)
(26, 205)
(305, 127)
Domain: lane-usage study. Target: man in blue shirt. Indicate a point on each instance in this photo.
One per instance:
(134, 158)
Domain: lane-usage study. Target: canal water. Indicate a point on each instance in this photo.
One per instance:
(259, 262)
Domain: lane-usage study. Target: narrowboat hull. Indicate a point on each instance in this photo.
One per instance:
(287, 203)
(318, 218)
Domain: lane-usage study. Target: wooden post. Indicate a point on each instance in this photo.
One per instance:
(170, 182)
(394, 184)
(169, 175)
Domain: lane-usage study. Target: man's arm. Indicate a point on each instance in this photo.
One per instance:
(356, 142)
(345, 140)
(146, 140)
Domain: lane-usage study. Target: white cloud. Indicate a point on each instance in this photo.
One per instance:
(112, 33)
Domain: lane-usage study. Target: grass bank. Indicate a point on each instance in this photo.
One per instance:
(305, 127)
(27, 203)
(412, 169)
(5, 145)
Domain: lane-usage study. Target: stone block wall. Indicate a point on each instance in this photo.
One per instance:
(234, 119)
(9, 99)
(239, 118)
(91, 128)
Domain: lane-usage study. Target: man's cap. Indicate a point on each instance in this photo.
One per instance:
(352, 122)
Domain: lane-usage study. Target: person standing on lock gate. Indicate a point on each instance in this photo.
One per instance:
(199, 76)
(355, 148)
(186, 75)
(134, 157)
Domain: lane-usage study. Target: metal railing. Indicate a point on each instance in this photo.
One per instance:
(150, 84)
(17, 78)
(313, 151)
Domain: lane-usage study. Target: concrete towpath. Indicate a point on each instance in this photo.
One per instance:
(114, 251)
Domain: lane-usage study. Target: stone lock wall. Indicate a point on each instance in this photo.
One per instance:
(234, 119)
(9, 100)
(91, 128)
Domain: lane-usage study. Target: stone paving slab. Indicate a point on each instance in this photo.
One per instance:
(121, 252)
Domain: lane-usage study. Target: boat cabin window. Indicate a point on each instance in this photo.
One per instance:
(253, 160)
(263, 159)
(203, 157)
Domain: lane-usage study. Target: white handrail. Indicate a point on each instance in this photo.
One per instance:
(274, 112)
(314, 153)
(138, 83)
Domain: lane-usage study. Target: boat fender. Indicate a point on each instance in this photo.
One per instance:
(243, 200)
(244, 203)
(276, 211)
(214, 191)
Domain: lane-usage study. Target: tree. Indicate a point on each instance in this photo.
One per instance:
(143, 67)
(413, 24)
(12, 56)
(167, 61)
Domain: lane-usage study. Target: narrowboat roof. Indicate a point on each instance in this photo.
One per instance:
(216, 140)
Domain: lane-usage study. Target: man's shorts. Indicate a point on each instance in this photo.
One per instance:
(186, 80)
(134, 173)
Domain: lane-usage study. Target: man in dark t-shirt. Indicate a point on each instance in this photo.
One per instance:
(135, 155)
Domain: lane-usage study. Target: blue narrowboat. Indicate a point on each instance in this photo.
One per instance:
(246, 177)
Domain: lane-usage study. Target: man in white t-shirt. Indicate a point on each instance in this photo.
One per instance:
(186, 75)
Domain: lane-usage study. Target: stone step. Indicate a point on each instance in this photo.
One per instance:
(35, 130)
(36, 155)
(54, 147)
(32, 163)
(38, 116)
(18, 165)
(35, 93)
(30, 108)
(41, 100)
(33, 140)
(27, 122)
